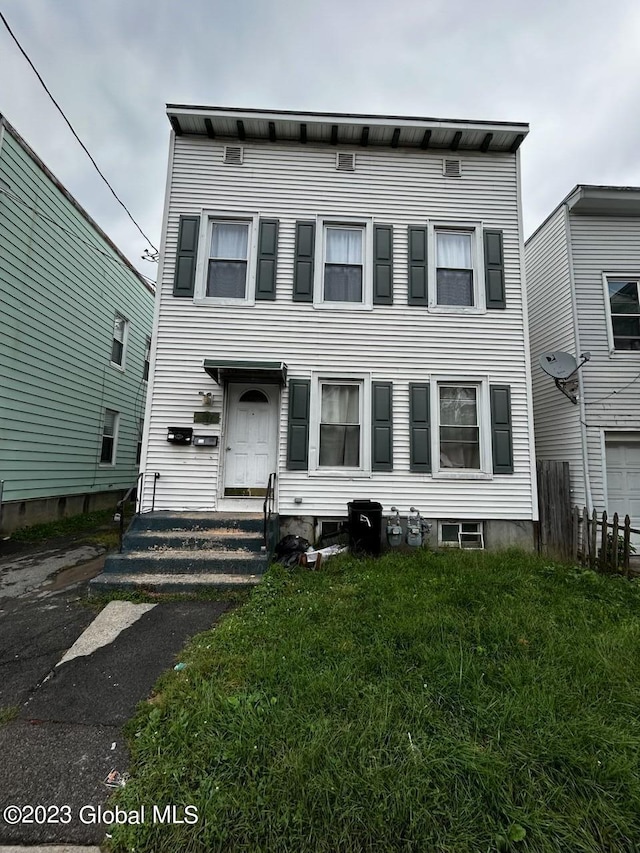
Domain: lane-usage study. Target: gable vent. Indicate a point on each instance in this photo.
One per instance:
(452, 168)
(345, 161)
(233, 155)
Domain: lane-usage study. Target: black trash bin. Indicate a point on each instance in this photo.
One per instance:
(365, 526)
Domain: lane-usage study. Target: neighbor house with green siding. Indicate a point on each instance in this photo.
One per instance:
(75, 338)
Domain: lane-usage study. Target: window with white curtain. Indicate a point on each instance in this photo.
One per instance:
(454, 268)
(343, 263)
(459, 430)
(228, 259)
(340, 422)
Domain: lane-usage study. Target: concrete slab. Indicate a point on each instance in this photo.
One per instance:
(34, 634)
(104, 688)
(22, 575)
(169, 583)
(52, 764)
(113, 620)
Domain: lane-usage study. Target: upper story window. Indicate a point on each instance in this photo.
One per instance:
(228, 259)
(119, 341)
(624, 311)
(343, 263)
(454, 268)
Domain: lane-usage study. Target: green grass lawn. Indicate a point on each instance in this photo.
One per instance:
(458, 702)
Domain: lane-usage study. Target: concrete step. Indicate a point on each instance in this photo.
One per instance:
(173, 582)
(178, 560)
(196, 522)
(221, 539)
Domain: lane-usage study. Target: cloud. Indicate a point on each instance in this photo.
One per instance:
(568, 68)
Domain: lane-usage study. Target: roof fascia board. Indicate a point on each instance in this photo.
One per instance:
(347, 119)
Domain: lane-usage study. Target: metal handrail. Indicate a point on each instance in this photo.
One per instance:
(119, 515)
(267, 506)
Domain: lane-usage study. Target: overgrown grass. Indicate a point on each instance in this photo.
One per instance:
(94, 526)
(446, 703)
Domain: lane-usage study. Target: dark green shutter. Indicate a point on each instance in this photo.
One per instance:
(267, 257)
(298, 430)
(303, 271)
(494, 269)
(501, 432)
(186, 255)
(382, 426)
(383, 265)
(418, 266)
(420, 427)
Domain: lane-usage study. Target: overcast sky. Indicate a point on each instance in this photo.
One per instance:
(570, 68)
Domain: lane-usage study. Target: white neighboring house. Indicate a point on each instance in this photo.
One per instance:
(583, 281)
(341, 303)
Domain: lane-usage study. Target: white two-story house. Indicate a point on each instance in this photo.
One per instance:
(583, 274)
(341, 305)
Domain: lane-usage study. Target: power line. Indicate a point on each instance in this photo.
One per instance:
(71, 234)
(84, 147)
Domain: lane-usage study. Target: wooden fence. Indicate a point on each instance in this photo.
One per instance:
(602, 544)
(554, 504)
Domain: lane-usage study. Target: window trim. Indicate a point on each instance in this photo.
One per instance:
(475, 228)
(363, 380)
(207, 218)
(481, 383)
(116, 430)
(125, 340)
(631, 276)
(366, 224)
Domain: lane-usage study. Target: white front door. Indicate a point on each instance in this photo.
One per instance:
(623, 478)
(250, 439)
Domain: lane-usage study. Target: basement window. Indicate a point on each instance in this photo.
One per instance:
(468, 535)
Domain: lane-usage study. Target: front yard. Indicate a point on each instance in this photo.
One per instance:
(457, 702)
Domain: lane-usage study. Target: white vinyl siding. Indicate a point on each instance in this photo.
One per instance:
(601, 247)
(604, 246)
(396, 343)
(551, 328)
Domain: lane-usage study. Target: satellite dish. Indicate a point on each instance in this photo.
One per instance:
(559, 365)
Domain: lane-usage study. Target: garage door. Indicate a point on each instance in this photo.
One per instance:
(623, 477)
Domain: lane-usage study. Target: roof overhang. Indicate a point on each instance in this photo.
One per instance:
(590, 200)
(264, 372)
(289, 126)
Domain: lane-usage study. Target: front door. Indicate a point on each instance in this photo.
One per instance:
(250, 439)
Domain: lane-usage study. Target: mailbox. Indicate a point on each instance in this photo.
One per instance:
(205, 440)
(179, 435)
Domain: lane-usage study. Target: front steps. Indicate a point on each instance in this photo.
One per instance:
(187, 552)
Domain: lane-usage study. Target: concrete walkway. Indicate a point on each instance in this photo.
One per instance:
(72, 677)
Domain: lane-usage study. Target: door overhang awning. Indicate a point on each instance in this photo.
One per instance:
(265, 372)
